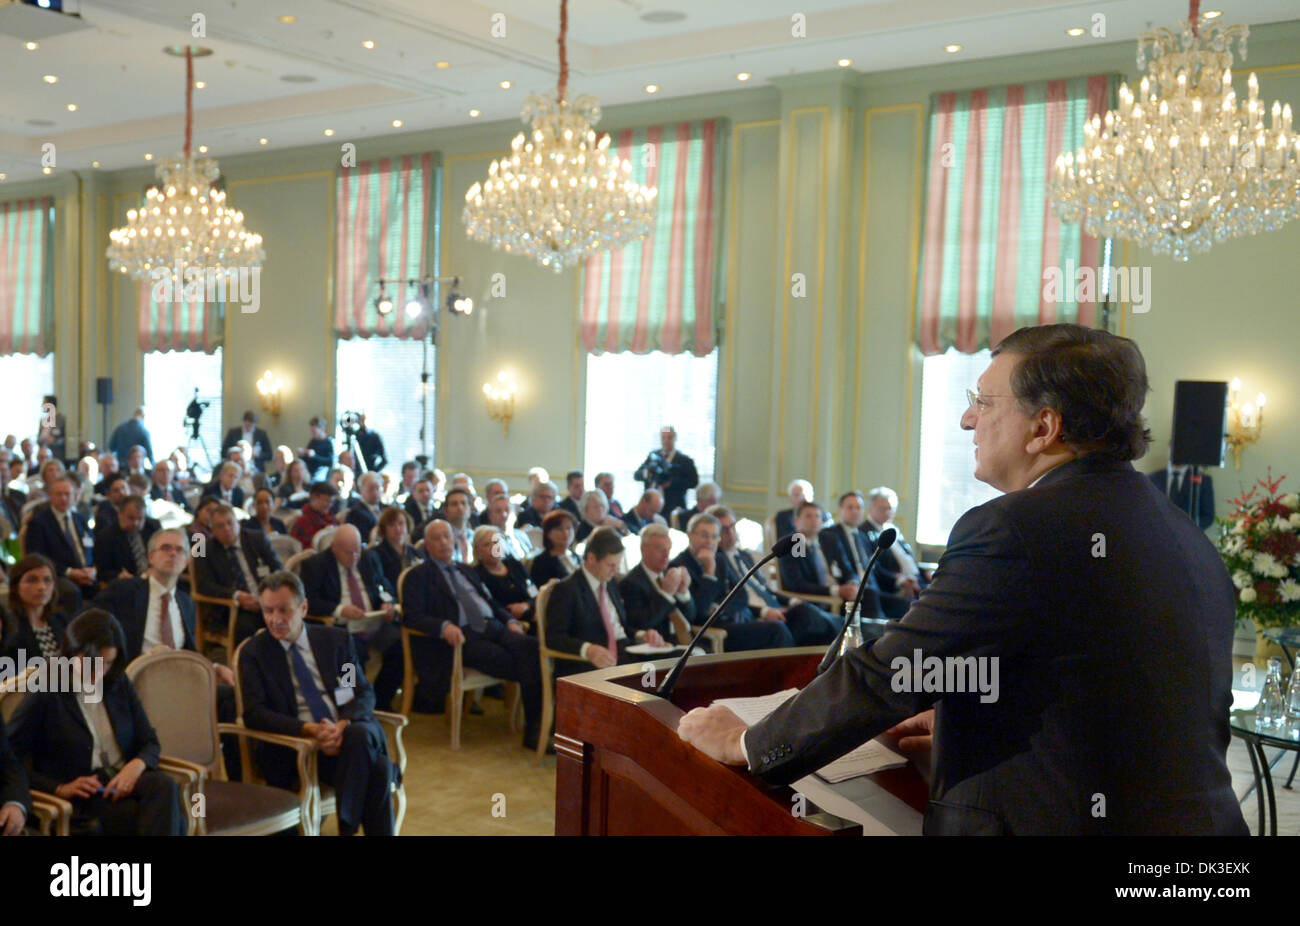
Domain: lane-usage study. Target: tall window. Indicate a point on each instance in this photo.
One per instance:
(28, 380)
(948, 487)
(630, 396)
(381, 377)
(170, 381)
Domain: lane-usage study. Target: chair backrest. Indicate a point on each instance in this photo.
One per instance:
(12, 691)
(284, 545)
(539, 612)
(239, 682)
(294, 563)
(178, 690)
(534, 536)
(289, 516)
(749, 535)
(677, 542)
(401, 583)
(323, 538)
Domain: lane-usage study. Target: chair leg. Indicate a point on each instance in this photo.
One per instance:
(548, 717)
(514, 706)
(399, 809)
(455, 708)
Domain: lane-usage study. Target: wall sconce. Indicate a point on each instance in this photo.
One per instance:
(1247, 420)
(268, 387)
(501, 399)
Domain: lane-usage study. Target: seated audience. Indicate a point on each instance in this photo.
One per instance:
(107, 468)
(595, 513)
(315, 514)
(848, 550)
(234, 561)
(652, 590)
(225, 487)
(294, 487)
(645, 511)
(32, 622)
(272, 479)
(394, 552)
(492, 490)
(410, 473)
(121, 544)
(97, 748)
(710, 583)
(365, 509)
(501, 515)
(165, 487)
(907, 578)
(541, 502)
(307, 680)
(503, 575)
(799, 491)
(456, 508)
(556, 561)
(605, 482)
(706, 496)
(574, 486)
(263, 504)
(249, 433)
(419, 505)
(347, 582)
(116, 489)
(585, 614)
(449, 603)
(202, 523)
(63, 535)
(806, 567)
(340, 477)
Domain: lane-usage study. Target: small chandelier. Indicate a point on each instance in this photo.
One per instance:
(184, 221)
(560, 196)
(1182, 165)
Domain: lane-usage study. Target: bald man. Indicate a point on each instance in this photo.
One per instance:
(347, 582)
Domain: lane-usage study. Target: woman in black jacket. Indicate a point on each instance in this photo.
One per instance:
(395, 554)
(556, 561)
(30, 622)
(93, 745)
(504, 576)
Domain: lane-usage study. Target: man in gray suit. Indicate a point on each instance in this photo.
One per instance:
(1043, 616)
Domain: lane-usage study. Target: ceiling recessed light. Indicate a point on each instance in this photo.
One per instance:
(203, 149)
(1075, 32)
(651, 88)
(505, 85)
(94, 163)
(743, 75)
(663, 16)
(72, 107)
(442, 65)
(368, 44)
(1212, 14)
(32, 46)
(51, 78)
(329, 132)
(47, 170)
(264, 141)
(288, 19)
(474, 113)
(845, 62)
(397, 123)
(148, 156)
(199, 85)
(952, 49)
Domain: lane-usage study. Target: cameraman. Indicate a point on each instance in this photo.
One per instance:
(669, 471)
(371, 446)
(318, 455)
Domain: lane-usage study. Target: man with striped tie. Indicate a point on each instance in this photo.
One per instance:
(121, 544)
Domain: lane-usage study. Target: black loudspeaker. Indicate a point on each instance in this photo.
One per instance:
(104, 390)
(1200, 422)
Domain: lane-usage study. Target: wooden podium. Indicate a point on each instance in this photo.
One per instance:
(622, 770)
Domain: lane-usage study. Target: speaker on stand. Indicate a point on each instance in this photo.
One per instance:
(1200, 429)
(104, 396)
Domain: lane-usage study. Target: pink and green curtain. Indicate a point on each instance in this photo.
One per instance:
(26, 277)
(181, 323)
(383, 233)
(989, 229)
(660, 294)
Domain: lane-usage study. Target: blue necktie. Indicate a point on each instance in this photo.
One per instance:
(310, 692)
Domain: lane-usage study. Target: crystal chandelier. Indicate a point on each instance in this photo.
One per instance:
(1182, 165)
(560, 196)
(184, 221)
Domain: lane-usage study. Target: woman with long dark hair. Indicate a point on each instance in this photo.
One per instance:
(93, 745)
(556, 561)
(31, 621)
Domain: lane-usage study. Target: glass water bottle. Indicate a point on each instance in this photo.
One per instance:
(1291, 706)
(1270, 715)
(852, 638)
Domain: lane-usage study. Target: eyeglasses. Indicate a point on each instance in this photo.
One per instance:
(978, 401)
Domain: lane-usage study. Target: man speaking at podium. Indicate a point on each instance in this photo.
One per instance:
(1109, 612)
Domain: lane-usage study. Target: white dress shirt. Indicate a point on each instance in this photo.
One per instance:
(153, 617)
(104, 751)
(344, 598)
(619, 632)
(304, 713)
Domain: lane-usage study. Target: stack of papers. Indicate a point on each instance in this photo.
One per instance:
(871, 756)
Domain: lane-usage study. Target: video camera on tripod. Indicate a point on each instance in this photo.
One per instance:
(350, 425)
(193, 415)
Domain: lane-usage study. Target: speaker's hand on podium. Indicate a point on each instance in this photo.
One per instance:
(716, 732)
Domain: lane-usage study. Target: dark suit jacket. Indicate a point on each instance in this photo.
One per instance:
(216, 572)
(237, 498)
(635, 522)
(546, 566)
(680, 475)
(49, 731)
(528, 517)
(428, 601)
(18, 634)
(267, 687)
(706, 593)
(175, 494)
(112, 549)
(371, 446)
(359, 516)
(128, 601)
(1183, 497)
(392, 563)
(569, 505)
(511, 588)
(799, 573)
(44, 535)
(13, 777)
(320, 577)
(277, 526)
(573, 616)
(322, 457)
(887, 572)
(261, 444)
(1020, 580)
(647, 608)
(877, 602)
(418, 519)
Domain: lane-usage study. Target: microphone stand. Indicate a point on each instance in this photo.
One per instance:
(883, 542)
(780, 548)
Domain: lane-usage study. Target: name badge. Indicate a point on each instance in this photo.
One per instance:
(384, 596)
(87, 541)
(531, 589)
(342, 695)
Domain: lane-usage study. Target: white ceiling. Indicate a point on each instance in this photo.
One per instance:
(130, 96)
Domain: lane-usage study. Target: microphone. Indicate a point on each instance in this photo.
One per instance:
(780, 548)
(884, 541)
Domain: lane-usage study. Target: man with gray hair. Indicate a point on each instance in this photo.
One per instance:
(706, 496)
(492, 489)
(653, 590)
(900, 572)
(605, 482)
(540, 502)
(364, 510)
(646, 511)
